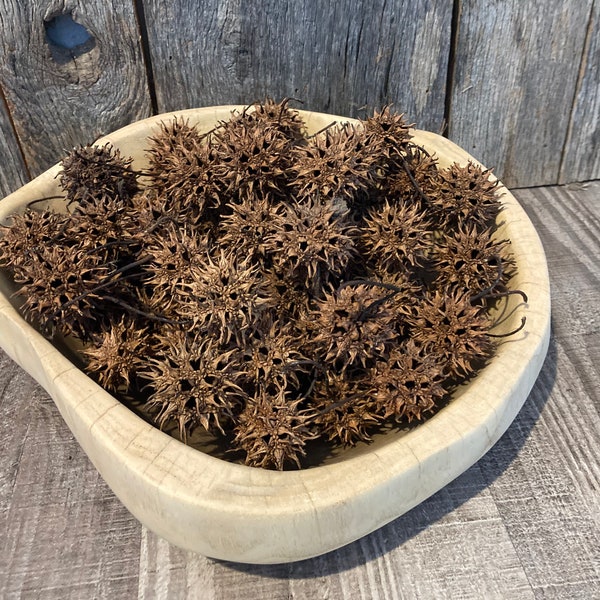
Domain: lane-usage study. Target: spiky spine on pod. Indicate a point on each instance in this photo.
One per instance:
(92, 173)
(192, 382)
(273, 430)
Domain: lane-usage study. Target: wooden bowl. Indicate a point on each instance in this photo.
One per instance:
(243, 514)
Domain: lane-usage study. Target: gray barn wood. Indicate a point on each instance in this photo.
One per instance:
(336, 57)
(13, 173)
(59, 99)
(516, 71)
(581, 159)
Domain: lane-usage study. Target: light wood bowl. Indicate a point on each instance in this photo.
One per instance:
(243, 514)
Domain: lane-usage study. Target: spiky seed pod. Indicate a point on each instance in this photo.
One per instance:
(396, 237)
(272, 358)
(310, 242)
(449, 327)
(344, 412)
(409, 384)
(414, 178)
(117, 353)
(351, 326)
(466, 194)
(253, 160)
(181, 170)
(192, 383)
(245, 228)
(174, 255)
(60, 287)
(29, 236)
(387, 135)
(272, 430)
(276, 115)
(336, 165)
(227, 298)
(472, 260)
(93, 173)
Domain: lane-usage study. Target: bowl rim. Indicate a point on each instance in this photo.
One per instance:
(244, 514)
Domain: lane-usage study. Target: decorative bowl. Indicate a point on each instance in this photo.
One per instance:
(238, 513)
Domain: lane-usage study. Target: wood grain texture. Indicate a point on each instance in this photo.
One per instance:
(516, 72)
(582, 159)
(13, 173)
(336, 57)
(522, 523)
(59, 98)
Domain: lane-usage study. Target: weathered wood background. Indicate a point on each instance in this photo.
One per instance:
(514, 82)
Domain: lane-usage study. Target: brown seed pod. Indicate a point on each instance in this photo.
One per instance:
(277, 115)
(344, 411)
(351, 327)
(336, 166)
(117, 354)
(92, 173)
(309, 243)
(396, 237)
(408, 384)
(272, 430)
(465, 195)
(192, 382)
(181, 168)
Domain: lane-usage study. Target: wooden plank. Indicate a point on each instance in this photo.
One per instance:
(61, 97)
(581, 161)
(13, 173)
(65, 535)
(514, 82)
(337, 57)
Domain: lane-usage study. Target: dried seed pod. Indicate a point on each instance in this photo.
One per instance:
(182, 171)
(273, 430)
(448, 326)
(351, 326)
(192, 383)
(309, 243)
(408, 384)
(336, 166)
(344, 410)
(92, 173)
(253, 158)
(117, 354)
(471, 260)
(396, 237)
(466, 195)
(276, 115)
(227, 298)
(28, 237)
